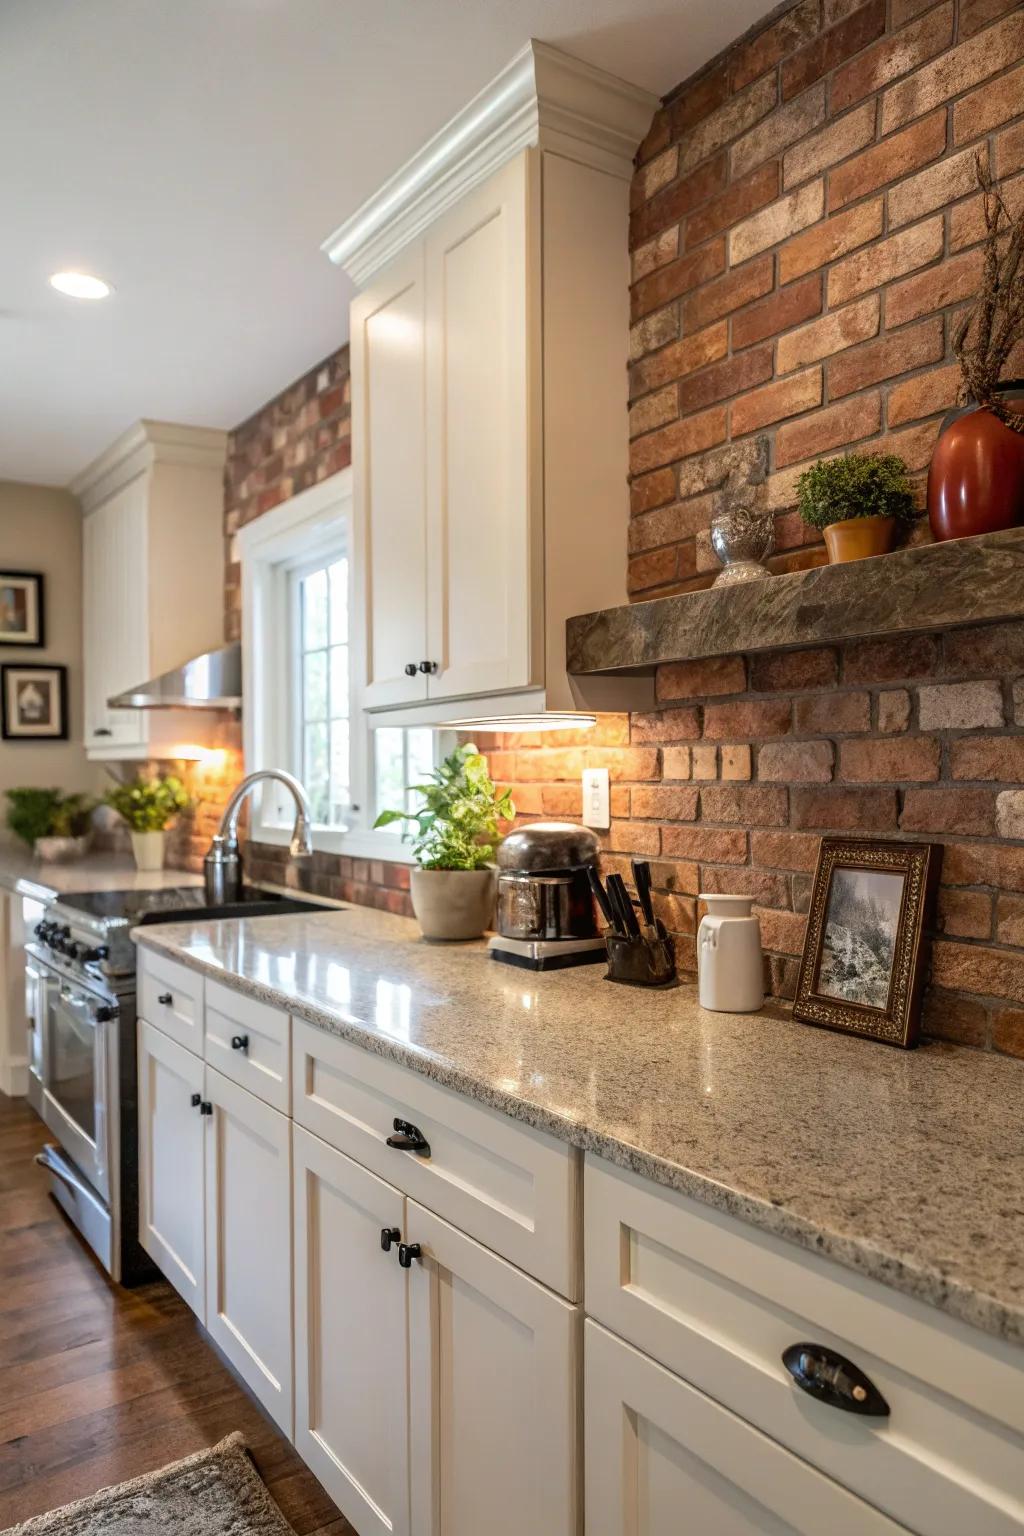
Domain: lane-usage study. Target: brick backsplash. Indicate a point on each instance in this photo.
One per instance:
(805, 229)
(729, 785)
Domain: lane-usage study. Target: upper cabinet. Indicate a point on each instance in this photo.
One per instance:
(153, 573)
(489, 396)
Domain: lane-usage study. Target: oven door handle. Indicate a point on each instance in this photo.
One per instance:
(77, 1186)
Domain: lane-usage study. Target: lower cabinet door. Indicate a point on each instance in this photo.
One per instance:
(248, 1241)
(171, 1211)
(351, 1363)
(493, 1394)
(664, 1460)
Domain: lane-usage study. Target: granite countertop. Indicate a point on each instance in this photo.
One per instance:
(26, 876)
(905, 1166)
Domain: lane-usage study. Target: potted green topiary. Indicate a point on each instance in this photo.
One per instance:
(149, 806)
(857, 501)
(56, 826)
(456, 829)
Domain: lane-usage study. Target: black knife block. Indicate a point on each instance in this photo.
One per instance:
(641, 962)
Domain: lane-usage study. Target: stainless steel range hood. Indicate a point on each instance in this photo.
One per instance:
(211, 681)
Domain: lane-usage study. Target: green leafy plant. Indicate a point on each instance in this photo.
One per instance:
(34, 813)
(148, 805)
(855, 485)
(457, 824)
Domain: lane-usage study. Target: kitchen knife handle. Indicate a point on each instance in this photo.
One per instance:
(642, 878)
(632, 927)
(601, 896)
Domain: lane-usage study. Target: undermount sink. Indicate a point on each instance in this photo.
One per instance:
(191, 906)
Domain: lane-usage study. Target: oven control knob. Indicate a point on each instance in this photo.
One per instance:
(104, 1013)
(90, 956)
(65, 932)
(71, 949)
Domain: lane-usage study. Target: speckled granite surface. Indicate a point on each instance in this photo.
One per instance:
(25, 875)
(908, 1167)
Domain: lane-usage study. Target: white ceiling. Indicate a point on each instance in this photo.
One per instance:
(196, 152)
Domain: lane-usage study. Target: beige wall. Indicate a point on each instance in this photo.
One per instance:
(41, 530)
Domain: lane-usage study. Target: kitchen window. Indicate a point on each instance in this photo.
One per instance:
(301, 664)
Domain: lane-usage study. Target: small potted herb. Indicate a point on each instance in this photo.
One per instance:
(149, 806)
(56, 826)
(456, 830)
(857, 501)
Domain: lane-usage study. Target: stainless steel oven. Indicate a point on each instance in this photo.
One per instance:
(78, 1094)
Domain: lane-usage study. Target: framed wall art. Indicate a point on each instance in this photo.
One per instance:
(863, 964)
(21, 608)
(33, 702)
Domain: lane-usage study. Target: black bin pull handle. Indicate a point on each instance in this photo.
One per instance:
(166, 999)
(409, 1138)
(832, 1379)
(240, 1043)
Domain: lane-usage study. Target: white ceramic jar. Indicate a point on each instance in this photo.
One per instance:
(730, 966)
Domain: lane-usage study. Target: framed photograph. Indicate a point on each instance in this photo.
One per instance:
(863, 964)
(21, 608)
(33, 702)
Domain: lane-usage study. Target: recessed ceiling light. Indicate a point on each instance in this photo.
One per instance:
(79, 285)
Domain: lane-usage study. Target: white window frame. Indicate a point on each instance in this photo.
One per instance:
(318, 522)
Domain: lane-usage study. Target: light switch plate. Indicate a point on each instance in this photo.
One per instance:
(596, 812)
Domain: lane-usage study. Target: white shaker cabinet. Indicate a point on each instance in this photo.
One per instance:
(351, 1394)
(153, 563)
(664, 1460)
(387, 331)
(493, 1361)
(248, 1200)
(171, 1139)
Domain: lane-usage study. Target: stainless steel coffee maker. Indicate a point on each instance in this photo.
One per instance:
(545, 906)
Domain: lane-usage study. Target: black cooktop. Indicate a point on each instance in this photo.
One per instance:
(180, 904)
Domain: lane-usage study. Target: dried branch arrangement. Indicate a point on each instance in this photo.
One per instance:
(985, 337)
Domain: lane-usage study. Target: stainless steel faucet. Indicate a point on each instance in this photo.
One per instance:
(222, 867)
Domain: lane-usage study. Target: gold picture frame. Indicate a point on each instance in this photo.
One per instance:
(862, 970)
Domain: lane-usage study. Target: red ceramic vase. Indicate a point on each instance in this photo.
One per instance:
(976, 478)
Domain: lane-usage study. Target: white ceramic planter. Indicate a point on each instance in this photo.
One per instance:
(730, 967)
(148, 848)
(454, 903)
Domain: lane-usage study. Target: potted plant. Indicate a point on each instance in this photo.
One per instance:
(56, 826)
(857, 501)
(976, 478)
(149, 806)
(456, 829)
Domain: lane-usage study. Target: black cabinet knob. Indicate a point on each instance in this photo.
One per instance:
(389, 1235)
(102, 730)
(834, 1380)
(206, 1108)
(428, 666)
(197, 1100)
(411, 669)
(409, 1138)
(407, 1252)
(240, 1042)
(166, 999)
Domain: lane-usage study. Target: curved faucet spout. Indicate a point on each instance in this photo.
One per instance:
(222, 867)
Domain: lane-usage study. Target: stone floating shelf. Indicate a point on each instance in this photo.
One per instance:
(927, 587)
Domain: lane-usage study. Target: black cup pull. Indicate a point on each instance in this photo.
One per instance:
(407, 1252)
(388, 1236)
(409, 1138)
(411, 669)
(197, 1100)
(240, 1042)
(428, 667)
(166, 999)
(833, 1379)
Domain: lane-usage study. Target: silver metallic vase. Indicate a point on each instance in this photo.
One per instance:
(742, 538)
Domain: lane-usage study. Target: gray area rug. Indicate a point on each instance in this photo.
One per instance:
(216, 1492)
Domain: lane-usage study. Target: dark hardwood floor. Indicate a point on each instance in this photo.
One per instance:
(99, 1384)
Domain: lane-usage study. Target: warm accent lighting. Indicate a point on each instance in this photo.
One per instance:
(549, 722)
(80, 285)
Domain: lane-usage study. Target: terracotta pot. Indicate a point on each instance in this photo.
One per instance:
(856, 538)
(453, 903)
(976, 478)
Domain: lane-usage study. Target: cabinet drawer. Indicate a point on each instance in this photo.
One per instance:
(171, 997)
(249, 1042)
(718, 1301)
(663, 1459)
(513, 1188)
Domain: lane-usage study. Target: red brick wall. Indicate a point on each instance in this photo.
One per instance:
(804, 232)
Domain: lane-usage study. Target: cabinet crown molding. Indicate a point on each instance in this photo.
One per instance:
(143, 445)
(544, 97)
